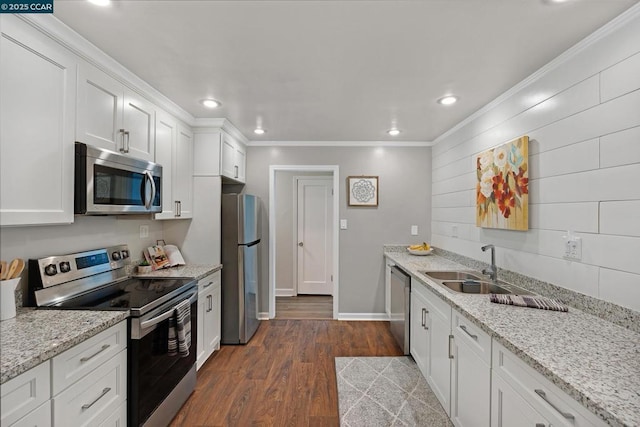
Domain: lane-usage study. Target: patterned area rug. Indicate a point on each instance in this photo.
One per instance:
(385, 391)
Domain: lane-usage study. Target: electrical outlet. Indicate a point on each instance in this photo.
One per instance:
(144, 231)
(572, 247)
(414, 230)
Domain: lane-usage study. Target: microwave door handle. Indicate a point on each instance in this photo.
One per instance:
(148, 203)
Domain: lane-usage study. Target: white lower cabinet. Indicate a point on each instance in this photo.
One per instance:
(209, 326)
(523, 397)
(83, 386)
(430, 342)
(470, 374)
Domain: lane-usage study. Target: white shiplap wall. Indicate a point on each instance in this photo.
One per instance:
(582, 115)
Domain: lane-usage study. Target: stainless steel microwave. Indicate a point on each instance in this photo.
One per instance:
(108, 183)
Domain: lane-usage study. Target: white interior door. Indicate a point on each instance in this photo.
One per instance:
(315, 245)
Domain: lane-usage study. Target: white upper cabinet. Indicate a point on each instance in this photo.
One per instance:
(174, 151)
(233, 156)
(38, 109)
(217, 153)
(112, 116)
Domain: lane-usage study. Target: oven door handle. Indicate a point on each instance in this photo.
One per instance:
(164, 316)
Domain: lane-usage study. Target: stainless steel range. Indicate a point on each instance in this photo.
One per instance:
(159, 382)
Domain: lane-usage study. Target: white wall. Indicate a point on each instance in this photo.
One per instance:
(286, 211)
(582, 114)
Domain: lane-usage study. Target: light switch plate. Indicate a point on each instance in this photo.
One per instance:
(414, 230)
(343, 224)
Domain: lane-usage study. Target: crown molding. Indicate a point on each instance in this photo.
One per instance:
(339, 144)
(64, 35)
(615, 24)
(204, 125)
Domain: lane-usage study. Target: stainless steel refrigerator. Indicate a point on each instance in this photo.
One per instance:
(240, 222)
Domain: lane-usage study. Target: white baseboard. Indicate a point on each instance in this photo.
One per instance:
(285, 293)
(363, 316)
(263, 315)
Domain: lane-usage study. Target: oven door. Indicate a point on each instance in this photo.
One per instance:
(153, 373)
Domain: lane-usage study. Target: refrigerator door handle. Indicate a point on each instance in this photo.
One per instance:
(252, 243)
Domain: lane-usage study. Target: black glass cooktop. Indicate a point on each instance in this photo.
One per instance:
(138, 295)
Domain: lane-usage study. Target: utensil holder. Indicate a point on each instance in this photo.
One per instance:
(8, 298)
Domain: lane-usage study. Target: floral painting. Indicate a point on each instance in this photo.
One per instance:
(502, 191)
(362, 190)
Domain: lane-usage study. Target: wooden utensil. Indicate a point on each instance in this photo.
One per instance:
(19, 262)
(15, 268)
(3, 270)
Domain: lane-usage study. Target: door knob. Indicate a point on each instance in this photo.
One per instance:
(300, 244)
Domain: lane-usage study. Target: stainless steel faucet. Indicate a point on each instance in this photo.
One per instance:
(492, 271)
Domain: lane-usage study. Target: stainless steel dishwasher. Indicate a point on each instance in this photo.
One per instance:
(400, 306)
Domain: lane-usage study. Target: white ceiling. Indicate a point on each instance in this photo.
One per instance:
(336, 70)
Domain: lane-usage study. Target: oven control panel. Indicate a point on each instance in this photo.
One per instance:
(56, 270)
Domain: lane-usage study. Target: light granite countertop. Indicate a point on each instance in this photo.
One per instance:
(197, 271)
(34, 336)
(594, 361)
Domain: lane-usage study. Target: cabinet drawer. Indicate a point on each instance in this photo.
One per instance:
(118, 418)
(78, 361)
(546, 398)
(95, 397)
(209, 282)
(24, 393)
(41, 417)
(478, 340)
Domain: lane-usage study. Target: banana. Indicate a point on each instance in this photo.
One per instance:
(423, 247)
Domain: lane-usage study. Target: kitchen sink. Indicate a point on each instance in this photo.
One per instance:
(471, 282)
(453, 275)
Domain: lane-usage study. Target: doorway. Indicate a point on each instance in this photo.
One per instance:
(303, 242)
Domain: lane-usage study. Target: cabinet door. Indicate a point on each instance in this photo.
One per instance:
(100, 102)
(418, 342)
(228, 157)
(439, 362)
(216, 316)
(41, 417)
(509, 409)
(241, 162)
(139, 125)
(183, 173)
(470, 386)
(200, 345)
(37, 106)
(166, 131)
(209, 323)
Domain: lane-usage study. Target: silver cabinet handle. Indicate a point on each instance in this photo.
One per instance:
(425, 319)
(210, 302)
(236, 171)
(300, 244)
(464, 328)
(86, 359)
(543, 395)
(540, 425)
(179, 208)
(175, 208)
(122, 149)
(450, 342)
(89, 405)
(207, 285)
(126, 133)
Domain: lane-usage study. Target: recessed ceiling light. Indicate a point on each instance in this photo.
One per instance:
(100, 2)
(393, 132)
(448, 100)
(211, 103)
(259, 131)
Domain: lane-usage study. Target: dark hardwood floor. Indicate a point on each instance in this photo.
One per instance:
(285, 376)
(305, 307)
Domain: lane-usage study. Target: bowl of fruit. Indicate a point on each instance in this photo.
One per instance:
(423, 249)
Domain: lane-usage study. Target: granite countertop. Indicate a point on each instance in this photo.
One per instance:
(35, 336)
(594, 361)
(197, 271)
